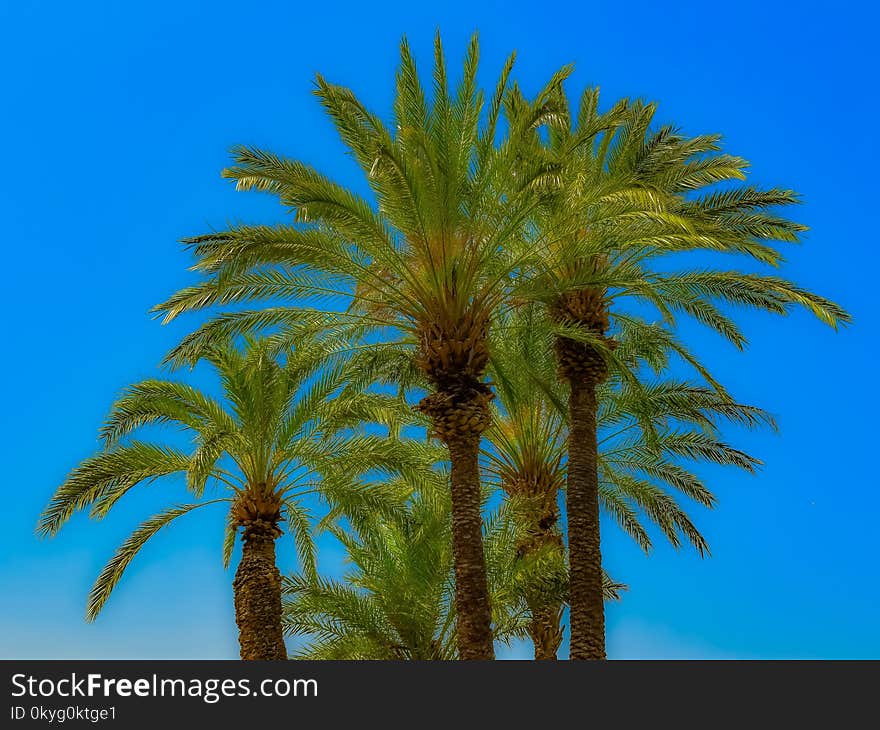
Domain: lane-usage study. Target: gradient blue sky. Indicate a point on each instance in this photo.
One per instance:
(116, 119)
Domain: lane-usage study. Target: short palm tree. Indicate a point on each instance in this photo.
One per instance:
(624, 197)
(426, 262)
(272, 440)
(645, 435)
(395, 600)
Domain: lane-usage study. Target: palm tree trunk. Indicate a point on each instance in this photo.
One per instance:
(257, 588)
(545, 627)
(545, 630)
(471, 589)
(537, 500)
(582, 506)
(453, 356)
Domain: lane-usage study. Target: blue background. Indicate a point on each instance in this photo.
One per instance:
(116, 119)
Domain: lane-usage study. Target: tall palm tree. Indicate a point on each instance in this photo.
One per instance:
(396, 600)
(645, 436)
(275, 438)
(426, 262)
(624, 197)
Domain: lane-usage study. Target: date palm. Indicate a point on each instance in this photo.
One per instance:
(625, 197)
(645, 437)
(394, 602)
(272, 440)
(426, 263)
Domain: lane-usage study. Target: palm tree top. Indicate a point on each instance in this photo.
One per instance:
(276, 436)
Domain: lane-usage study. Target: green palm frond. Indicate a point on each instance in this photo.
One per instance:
(103, 478)
(114, 569)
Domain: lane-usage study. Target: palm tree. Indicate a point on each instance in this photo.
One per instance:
(426, 263)
(624, 197)
(275, 438)
(396, 600)
(645, 435)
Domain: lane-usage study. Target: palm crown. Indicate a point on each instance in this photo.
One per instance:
(624, 197)
(395, 601)
(275, 438)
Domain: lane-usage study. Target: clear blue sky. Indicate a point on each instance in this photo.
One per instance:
(116, 119)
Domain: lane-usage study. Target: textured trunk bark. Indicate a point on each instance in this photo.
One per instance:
(582, 506)
(471, 589)
(257, 588)
(542, 534)
(545, 631)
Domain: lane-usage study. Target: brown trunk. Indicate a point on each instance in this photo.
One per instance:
(545, 631)
(453, 355)
(582, 506)
(536, 498)
(471, 589)
(257, 588)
